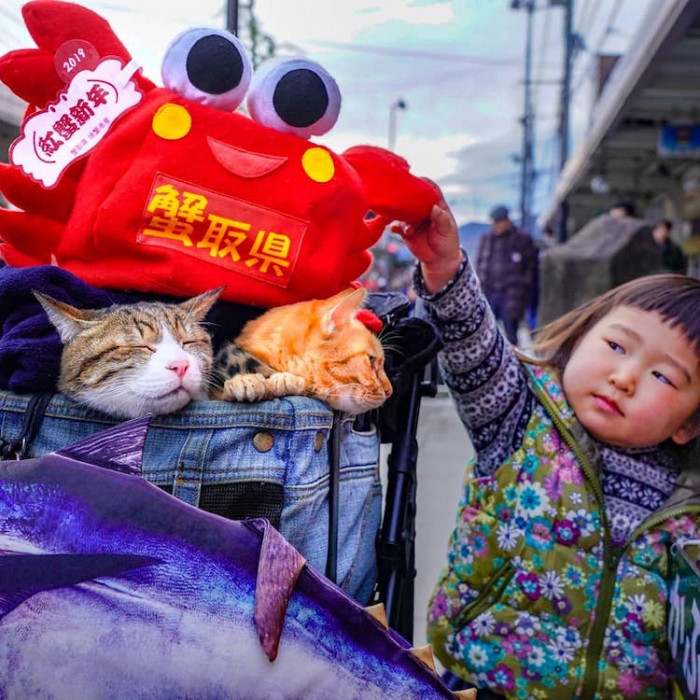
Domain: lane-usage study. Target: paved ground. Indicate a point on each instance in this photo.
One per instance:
(443, 451)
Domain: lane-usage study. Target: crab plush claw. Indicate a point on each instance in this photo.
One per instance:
(174, 191)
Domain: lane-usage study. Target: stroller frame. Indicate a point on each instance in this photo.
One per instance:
(396, 539)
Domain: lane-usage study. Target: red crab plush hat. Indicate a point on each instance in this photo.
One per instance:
(168, 189)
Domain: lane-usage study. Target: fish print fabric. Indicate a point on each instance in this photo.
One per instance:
(112, 588)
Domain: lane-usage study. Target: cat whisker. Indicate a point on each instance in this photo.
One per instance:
(210, 385)
(338, 390)
(388, 340)
(211, 376)
(388, 335)
(393, 348)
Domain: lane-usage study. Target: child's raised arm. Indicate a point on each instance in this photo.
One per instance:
(477, 362)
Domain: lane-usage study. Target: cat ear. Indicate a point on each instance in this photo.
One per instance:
(68, 320)
(199, 306)
(343, 307)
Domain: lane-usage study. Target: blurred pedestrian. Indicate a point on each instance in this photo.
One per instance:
(506, 265)
(672, 258)
(624, 208)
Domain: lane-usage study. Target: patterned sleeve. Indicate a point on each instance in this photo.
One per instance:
(483, 374)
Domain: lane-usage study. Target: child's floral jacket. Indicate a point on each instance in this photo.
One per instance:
(535, 602)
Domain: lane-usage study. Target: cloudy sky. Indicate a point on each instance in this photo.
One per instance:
(458, 66)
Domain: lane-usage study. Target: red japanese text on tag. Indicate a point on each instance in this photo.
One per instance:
(76, 122)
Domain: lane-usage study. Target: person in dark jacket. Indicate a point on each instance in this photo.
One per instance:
(672, 258)
(623, 209)
(505, 265)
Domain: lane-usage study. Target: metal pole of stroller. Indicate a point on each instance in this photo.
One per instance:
(398, 530)
(334, 497)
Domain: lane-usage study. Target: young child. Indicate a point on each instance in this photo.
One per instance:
(555, 585)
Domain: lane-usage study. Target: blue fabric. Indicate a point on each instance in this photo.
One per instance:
(30, 349)
(498, 302)
(213, 442)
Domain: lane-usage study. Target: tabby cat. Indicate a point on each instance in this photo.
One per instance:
(314, 348)
(131, 359)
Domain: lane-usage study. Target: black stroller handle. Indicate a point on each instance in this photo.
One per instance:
(396, 542)
(411, 364)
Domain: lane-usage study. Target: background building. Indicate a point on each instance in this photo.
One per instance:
(643, 143)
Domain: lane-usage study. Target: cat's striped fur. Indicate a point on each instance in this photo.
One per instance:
(131, 359)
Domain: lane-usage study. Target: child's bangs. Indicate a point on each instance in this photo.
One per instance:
(675, 297)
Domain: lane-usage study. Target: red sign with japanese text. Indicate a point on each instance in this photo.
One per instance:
(232, 233)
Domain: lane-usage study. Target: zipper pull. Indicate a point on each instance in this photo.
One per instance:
(613, 558)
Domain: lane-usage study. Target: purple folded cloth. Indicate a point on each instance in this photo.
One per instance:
(30, 348)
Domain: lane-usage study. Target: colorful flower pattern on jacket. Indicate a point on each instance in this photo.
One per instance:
(517, 619)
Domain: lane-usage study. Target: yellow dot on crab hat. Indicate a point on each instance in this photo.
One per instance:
(318, 164)
(172, 122)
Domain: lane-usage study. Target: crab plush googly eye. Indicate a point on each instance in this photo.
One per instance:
(209, 66)
(294, 96)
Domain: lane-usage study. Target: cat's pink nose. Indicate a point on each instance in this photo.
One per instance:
(179, 367)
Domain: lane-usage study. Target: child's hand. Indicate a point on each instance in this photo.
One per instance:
(435, 242)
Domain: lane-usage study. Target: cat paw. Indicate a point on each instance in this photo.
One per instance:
(245, 387)
(286, 384)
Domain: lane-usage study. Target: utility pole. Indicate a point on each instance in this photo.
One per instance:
(242, 21)
(232, 16)
(393, 108)
(527, 172)
(569, 44)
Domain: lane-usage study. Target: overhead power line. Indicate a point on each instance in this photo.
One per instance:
(430, 55)
(587, 19)
(594, 53)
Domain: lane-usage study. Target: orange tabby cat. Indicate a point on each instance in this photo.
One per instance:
(314, 348)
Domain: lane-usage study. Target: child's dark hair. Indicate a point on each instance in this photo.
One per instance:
(666, 223)
(675, 297)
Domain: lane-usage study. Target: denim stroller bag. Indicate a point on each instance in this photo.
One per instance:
(269, 459)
